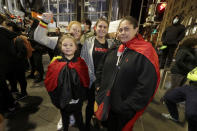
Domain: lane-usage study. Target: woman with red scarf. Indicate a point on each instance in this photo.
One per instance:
(129, 78)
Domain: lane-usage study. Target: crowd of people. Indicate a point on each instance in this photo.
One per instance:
(118, 77)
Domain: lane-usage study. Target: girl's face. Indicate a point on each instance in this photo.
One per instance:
(75, 29)
(126, 31)
(68, 47)
(101, 29)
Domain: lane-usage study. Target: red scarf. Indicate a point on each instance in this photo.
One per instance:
(145, 48)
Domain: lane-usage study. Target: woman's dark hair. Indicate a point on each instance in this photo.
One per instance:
(15, 27)
(102, 19)
(131, 20)
(189, 42)
(97, 22)
(88, 22)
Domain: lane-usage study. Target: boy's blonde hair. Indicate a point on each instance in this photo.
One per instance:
(66, 36)
(72, 23)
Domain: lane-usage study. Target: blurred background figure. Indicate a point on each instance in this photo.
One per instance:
(36, 59)
(185, 61)
(185, 93)
(57, 31)
(171, 38)
(7, 65)
(21, 58)
(86, 28)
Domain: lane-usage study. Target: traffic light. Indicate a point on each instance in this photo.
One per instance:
(160, 9)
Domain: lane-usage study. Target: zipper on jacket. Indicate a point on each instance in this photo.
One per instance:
(118, 67)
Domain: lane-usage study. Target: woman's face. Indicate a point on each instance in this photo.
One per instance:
(75, 29)
(68, 47)
(101, 29)
(126, 31)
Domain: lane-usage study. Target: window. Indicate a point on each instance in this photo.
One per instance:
(187, 32)
(115, 9)
(190, 21)
(66, 12)
(94, 9)
(53, 8)
(194, 30)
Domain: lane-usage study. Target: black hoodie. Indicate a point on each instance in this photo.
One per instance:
(173, 34)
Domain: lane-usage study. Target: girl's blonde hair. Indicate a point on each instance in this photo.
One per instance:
(72, 23)
(66, 36)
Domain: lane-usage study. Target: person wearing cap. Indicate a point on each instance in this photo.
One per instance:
(185, 93)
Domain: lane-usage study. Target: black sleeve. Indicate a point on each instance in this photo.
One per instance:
(163, 38)
(145, 87)
(57, 50)
(180, 57)
(181, 34)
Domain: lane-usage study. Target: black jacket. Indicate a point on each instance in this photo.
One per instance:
(173, 34)
(132, 81)
(186, 60)
(21, 53)
(36, 45)
(7, 50)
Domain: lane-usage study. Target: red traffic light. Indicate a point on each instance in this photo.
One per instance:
(161, 7)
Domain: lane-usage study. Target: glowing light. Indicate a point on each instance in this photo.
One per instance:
(162, 6)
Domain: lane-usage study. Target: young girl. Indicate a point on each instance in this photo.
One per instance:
(40, 36)
(66, 78)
